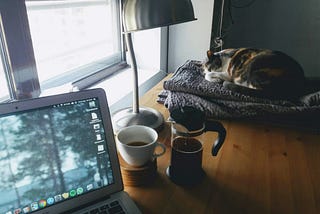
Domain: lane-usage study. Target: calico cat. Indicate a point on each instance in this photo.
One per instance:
(260, 72)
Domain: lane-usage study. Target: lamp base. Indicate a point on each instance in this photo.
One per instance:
(146, 116)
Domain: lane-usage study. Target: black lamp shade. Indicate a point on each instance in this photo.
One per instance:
(147, 14)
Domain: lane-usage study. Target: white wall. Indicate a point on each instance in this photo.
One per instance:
(147, 48)
(291, 26)
(191, 40)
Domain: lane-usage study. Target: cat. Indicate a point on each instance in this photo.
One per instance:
(260, 72)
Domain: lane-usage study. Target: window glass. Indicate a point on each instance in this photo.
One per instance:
(73, 38)
(4, 92)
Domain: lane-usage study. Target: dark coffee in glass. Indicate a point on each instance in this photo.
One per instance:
(186, 160)
(188, 127)
(186, 154)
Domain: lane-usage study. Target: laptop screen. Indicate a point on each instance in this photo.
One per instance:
(52, 154)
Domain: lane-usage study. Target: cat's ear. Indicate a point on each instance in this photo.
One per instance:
(209, 54)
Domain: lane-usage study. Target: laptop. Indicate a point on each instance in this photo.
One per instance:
(58, 155)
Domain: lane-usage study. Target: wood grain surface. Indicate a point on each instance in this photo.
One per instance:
(259, 169)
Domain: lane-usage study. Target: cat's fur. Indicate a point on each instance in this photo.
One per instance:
(259, 72)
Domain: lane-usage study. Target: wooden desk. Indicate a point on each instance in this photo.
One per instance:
(259, 169)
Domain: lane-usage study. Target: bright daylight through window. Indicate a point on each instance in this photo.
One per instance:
(73, 39)
(3, 84)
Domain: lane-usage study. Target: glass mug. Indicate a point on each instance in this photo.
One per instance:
(188, 126)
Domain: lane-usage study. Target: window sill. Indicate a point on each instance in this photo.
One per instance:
(118, 87)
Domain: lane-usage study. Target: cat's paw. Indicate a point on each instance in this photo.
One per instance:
(210, 77)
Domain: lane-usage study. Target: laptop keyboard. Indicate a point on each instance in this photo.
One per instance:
(111, 208)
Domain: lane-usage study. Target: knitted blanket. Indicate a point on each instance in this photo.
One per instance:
(187, 87)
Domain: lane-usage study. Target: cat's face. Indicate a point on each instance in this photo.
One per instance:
(216, 62)
(212, 63)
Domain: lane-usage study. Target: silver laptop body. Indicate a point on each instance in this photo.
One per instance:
(58, 155)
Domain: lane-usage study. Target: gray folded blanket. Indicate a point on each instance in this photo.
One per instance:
(187, 87)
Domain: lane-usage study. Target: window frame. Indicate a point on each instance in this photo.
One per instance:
(19, 59)
(17, 52)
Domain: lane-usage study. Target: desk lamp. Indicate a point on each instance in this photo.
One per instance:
(141, 15)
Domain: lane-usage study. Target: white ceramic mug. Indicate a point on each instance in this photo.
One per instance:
(136, 144)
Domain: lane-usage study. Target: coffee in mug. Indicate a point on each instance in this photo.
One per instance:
(136, 145)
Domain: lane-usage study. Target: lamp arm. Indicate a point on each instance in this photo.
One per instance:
(135, 92)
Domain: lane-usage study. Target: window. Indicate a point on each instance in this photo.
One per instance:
(71, 39)
(4, 92)
(60, 42)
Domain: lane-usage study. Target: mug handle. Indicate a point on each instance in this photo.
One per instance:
(163, 150)
(217, 127)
